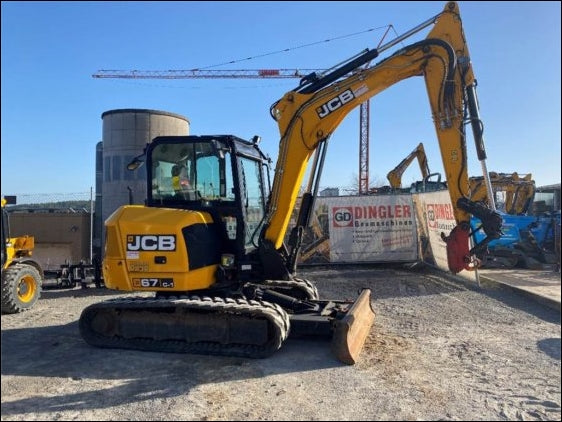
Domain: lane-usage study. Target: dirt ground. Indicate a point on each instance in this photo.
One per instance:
(440, 349)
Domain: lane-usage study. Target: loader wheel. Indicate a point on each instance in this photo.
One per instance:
(21, 288)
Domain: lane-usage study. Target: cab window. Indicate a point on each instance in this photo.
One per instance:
(189, 172)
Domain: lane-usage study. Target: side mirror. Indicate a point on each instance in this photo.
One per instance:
(135, 163)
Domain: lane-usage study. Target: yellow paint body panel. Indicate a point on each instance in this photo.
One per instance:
(137, 270)
(18, 247)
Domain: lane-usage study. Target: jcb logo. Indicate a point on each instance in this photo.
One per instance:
(335, 103)
(343, 217)
(163, 242)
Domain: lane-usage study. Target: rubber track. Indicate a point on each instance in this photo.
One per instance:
(299, 283)
(276, 316)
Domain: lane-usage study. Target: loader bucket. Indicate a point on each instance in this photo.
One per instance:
(352, 330)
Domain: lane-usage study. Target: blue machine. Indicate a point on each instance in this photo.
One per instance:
(527, 241)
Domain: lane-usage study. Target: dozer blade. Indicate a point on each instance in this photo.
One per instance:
(351, 331)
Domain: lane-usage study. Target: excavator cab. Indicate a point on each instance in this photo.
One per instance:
(224, 176)
(215, 190)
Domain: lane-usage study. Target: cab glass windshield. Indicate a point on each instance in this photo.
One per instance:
(189, 172)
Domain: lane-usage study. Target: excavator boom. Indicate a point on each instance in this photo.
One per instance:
(308, 115)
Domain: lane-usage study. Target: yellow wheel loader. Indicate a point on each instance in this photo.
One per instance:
(22, 276)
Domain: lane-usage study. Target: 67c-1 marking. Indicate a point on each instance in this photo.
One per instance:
(166, 283)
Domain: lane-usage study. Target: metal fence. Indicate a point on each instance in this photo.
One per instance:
(76, 201)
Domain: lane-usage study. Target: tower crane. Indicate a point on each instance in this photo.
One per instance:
(262, 74)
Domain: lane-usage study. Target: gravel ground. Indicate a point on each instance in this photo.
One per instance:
(440, 349)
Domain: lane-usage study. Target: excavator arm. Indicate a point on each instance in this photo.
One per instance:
(308, 115)
(394, 176)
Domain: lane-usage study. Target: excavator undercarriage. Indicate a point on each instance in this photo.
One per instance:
(229, 326)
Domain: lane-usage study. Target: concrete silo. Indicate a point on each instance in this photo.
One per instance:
(125, 134)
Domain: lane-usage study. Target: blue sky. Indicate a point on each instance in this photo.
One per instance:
(51, 106)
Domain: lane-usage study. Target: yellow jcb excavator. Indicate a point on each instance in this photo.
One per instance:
(394, 176)
(212, 249)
